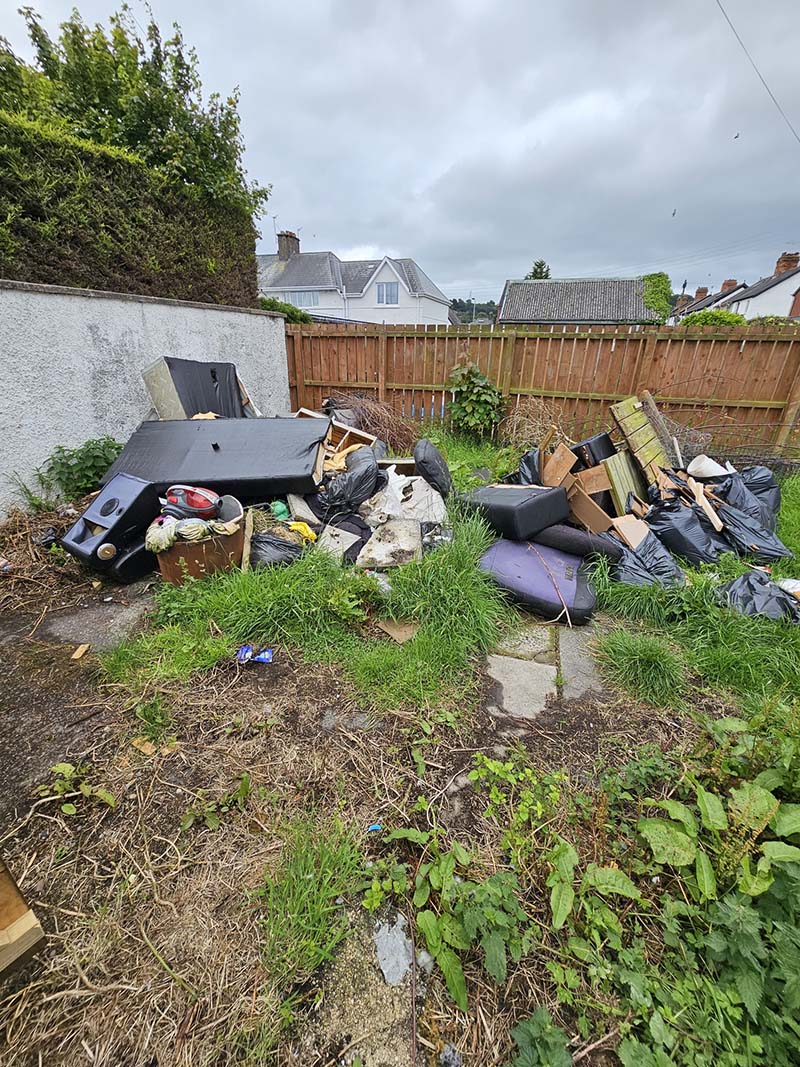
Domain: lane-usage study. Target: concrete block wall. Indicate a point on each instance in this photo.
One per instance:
(72, 361)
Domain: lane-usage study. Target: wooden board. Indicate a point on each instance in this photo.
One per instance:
(632, 530)
(594, 480)
(558, 466)
(700, 496)
(586, 512)
(20, 932)
(624, 477)
(642, 440)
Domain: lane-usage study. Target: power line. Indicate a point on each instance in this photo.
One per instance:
(772, 95)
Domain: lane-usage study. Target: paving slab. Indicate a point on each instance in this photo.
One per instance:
(531, 640)
(102, 625)
(578, 669)
(526, 684)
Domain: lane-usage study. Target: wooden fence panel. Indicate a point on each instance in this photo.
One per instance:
(742, 384)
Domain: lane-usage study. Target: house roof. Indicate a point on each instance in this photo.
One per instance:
(757, 288)
(590, 300)
(707, 301)
(324, 270)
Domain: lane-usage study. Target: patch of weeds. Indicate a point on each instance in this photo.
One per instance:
(166, 654)
(540, 1043)
(156, 720)
(211, 811)
(789, 526)
(465, 455)
(77, 471)
(644, 666)
(302, 918)
(38, 498)
(71, 783)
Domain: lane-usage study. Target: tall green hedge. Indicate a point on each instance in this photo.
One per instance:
(77, 214)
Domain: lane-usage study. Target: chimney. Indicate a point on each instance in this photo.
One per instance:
(787, 261)
(728, 284)
(701, 293)
(288, 244)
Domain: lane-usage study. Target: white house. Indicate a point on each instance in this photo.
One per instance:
(366, 290)
(702, 300)
(777, 295)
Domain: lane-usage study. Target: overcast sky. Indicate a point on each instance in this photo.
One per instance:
(606, 136)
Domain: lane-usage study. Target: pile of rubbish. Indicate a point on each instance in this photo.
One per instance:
(196, 494)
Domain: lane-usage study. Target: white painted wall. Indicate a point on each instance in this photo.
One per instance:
(775, 301)
(72, 362)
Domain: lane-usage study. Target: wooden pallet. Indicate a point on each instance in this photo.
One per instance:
(642, 439)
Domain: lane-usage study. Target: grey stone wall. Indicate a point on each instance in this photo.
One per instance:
(72, 359)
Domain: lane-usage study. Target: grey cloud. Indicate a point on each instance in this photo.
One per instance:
(477, 136)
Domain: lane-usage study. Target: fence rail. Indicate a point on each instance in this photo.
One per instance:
(742, 382)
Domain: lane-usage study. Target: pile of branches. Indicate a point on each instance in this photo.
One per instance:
(529, 422)
(379, 418)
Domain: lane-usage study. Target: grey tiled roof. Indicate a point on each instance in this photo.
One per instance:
(315, 270)
(590, 300)
(757, 288)
(707, 301)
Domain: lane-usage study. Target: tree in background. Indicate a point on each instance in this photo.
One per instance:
(292, 313)
(539, 271)
(657, 294)
(144, 94)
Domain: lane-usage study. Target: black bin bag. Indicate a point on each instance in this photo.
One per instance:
(755, 594)
(734, 491)
(268, 550)
(355, 485)
(431, 466)
(761, 483)
(650, 564)
(749, 538)
(679, 529)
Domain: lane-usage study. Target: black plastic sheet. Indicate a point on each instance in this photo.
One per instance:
(679, 529)
(431, 466)
(750, 538)
(529, 466)
(755, 594)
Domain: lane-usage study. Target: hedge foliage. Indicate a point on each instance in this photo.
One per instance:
(79, 214)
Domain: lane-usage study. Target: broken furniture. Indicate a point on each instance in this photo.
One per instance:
(518, 511)
(186, 388)
(198, 559)
(20, 932)
(254, 459)
(554, 584)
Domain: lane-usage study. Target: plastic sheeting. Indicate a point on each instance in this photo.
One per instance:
(755, 594)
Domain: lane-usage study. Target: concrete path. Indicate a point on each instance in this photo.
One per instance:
(540, 661)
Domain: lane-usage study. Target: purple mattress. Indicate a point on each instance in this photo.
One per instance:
(542, 579)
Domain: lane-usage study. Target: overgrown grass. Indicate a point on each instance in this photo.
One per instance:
(645, 666)
(303, 919)
(465, 455)
(751, 656)
(316, 606)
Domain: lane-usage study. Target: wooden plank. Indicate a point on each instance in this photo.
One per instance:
(624, 477)
(587, 513)
(594, 480)
(248, 536)
(626, 407)
(557, 466)
(20, 932)
(632, 530)
(699, 495)
(651, 453)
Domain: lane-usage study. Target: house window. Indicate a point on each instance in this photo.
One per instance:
(387, 292)
(305, 298)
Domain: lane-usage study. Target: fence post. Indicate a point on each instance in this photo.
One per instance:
(507, 346)
(382, 343)
(792, 409)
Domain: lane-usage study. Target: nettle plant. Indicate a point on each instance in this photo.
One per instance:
(477, 404)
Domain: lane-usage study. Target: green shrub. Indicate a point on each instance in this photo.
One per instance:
(78, 214)
(714, 317)
(77, 471)
(477, 404)
(657, 294)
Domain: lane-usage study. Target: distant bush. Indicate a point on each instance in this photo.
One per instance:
(714, 317)
(773, 320)
(657, 294)
(292, 313)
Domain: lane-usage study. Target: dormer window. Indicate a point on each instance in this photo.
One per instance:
(387, 292)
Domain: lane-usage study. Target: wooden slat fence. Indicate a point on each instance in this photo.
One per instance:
(741, 383)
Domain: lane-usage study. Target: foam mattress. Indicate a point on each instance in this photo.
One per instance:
(542, 579)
